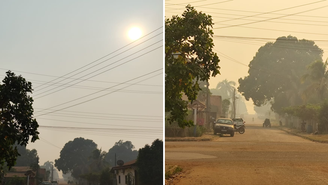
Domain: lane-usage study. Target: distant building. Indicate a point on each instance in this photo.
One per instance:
(126, 174)
(22, 175)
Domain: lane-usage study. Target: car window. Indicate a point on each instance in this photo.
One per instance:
(224, 121)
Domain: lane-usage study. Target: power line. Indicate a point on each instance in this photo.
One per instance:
(106, 55)
(104, 124)
(271, 12)
(107, 60)
(111, 114)
(248, 11)
(269, 18)
(98, 88)
(98, 81)
(98, 92)
(259, 38)
(69, 85)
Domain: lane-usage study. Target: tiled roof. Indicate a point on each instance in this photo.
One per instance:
(125, 165)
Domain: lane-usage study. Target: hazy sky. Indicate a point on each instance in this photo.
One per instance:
(119, 96)
(242, 27)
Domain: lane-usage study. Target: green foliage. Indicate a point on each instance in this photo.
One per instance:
(15, 181)
(225, 107)
(74, 156)
(172, 171)
(150, 163)
(106, 177)
(200, 130)
(317, 74)
(323, 117)
(17, 123)
(276, 70)
(123, 150)
(304, 112)
(27, 157)
(191, 37)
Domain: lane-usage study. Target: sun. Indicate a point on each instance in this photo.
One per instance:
(134, 33)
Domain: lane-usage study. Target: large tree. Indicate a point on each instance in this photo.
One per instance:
(188, 59)
(123, 151)
(317, 74)
(17, 124)
(74, 157)
(150, 163)
(27, 157)
(276, 70)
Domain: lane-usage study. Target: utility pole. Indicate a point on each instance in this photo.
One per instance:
(234, 103)
(52, 173)
(208, 105)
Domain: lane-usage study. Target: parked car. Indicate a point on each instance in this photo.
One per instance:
(224, 126)
(46, 183)
(238, 121)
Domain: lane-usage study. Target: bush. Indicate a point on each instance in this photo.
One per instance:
(323, 118)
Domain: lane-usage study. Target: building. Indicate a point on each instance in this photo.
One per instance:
(126, 174)
(20, 174)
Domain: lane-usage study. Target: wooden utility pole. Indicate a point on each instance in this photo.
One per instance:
(208, 105)
(234, 103)
(52, 173)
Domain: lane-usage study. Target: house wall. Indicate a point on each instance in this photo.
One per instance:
(121, 176)
(216, 100)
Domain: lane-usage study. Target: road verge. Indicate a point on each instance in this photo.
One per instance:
(321, 138)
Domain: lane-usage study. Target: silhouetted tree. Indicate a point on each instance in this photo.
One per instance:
(150, 163)
(123, 150)
(74, 156)
(191, 37)
(16, 118)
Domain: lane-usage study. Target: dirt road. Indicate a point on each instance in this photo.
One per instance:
(260, 156)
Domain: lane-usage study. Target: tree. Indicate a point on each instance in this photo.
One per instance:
(123, 151)
(318, 76)
(275, 72)
(27, 157)
(16, 118)
(225, 107)
(74, 156)
(48, 165)
(323, 117)
(189, 36)
(150, 163)
(224, 89)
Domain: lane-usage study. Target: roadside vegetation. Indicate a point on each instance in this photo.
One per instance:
(172, 171)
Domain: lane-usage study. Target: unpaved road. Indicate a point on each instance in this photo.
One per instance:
(260, 156)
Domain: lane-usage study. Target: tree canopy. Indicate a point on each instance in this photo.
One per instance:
(123, 150)
(189, 38)
(150, 163)
(276, 70)
(17, 124)
(27, 157)
(74, 156)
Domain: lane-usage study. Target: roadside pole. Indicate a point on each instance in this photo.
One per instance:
(195, 121)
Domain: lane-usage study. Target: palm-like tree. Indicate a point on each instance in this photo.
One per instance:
(318, 75)
(225, 88)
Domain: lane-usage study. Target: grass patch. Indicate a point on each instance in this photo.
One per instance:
(172, 171)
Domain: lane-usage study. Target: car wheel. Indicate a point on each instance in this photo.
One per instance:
(214, 133)
(220, 135)
(232, 134)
